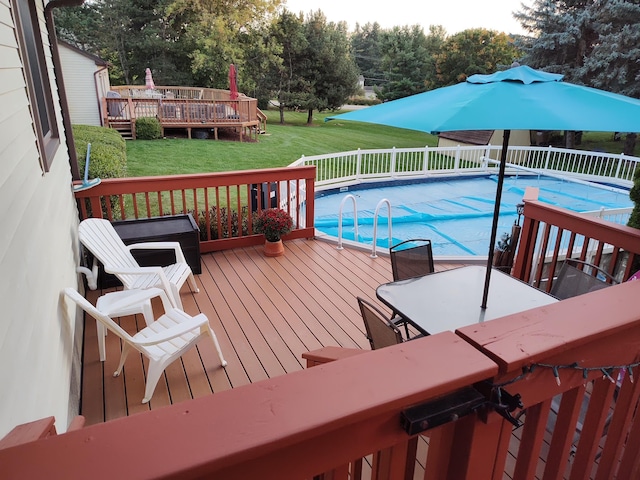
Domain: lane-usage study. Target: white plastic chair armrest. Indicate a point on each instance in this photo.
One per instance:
(160, 246)
(140, 296)
(133, 270)
(166, 285)
(177, 330)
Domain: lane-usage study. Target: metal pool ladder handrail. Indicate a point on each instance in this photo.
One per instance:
(355, 220)
(375, 225)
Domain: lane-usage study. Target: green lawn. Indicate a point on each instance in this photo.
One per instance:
(284, 144)
(604, 142)
(281, 145)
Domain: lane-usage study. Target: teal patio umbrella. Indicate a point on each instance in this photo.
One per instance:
(519, 98)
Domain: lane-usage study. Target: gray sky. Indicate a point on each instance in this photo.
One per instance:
(454, 15)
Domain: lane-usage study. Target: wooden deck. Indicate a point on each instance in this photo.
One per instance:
(266, 313)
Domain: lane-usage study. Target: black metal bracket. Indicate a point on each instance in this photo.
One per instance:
(443, 410)
(417, 419)
(505, 404)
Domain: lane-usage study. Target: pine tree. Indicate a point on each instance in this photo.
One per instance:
(365, 43)
(563, 35)
(406, 62)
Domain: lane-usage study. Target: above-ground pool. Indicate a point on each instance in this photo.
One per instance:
(455, 213)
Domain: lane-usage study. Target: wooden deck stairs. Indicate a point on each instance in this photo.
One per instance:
(124, 128)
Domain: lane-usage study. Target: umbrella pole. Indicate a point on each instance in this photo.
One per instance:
(496, 214)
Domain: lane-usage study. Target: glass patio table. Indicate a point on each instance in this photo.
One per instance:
(451, 299)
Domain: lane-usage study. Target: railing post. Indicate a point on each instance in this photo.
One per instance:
(310, 196)
(619, 167)
(392, 166)
(358, 164)
(525, 249)
(456, 162)
(546, 160)
(425, 162)
(487, 154)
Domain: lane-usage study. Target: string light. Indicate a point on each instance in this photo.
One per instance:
(506, 410)
(607, 372)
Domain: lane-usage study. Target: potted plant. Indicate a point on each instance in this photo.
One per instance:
(273, 223)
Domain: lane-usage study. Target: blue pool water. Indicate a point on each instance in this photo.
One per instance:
(455, 213)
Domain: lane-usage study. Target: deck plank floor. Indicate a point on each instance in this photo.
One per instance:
(266, 313)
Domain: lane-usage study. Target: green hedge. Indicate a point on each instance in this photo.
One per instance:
(148, 128)
(363, 101)
(108, 151)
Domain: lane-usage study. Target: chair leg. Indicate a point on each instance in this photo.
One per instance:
(193, 284)
(153, 375)
(123, 356)
(223, 362)
(175, 291)
(406, 329)
(102, 332)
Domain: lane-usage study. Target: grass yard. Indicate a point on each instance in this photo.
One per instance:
(604, 142)
(284, 144)
(281, 145)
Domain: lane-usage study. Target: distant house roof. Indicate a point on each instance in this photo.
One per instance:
(471, 137)
(95, 58)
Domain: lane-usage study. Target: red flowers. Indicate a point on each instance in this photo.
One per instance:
(273, 223)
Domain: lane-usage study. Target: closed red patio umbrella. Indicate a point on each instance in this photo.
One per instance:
(148, 80)
(233, 86)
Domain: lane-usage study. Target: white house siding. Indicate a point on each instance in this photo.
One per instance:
(82, 86)
(39, 334)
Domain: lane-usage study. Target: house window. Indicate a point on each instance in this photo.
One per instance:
(37, 77)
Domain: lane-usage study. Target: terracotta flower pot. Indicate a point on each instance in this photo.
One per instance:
(273, 249)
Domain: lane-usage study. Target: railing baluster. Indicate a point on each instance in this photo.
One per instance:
(135, 206)
(147, 204)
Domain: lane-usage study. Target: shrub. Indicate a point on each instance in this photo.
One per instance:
(108, 151)
(148, 128)
(108, 157)
(224, 223)
(363, 101)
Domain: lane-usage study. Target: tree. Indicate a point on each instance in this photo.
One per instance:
(132, 35)
(288, 83)
(263, 59)
(220, 31)
(592, 42)
(563, 35)
(79, 25)
(436, 40)
(406, 62)
(474, 51)
(328, 72)
(365, 44)
(614, 61)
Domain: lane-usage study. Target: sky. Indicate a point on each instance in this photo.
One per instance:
(454, 15)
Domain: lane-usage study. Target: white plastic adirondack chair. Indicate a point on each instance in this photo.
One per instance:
(127, 302)
(162, 342)
(102, 240)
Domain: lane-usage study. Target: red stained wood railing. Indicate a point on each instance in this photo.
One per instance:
(183, 113)
(222, 204)
(289, 427)
(321, 419)
(595, 431)
(551, 234)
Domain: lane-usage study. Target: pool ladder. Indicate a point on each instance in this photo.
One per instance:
(355, 222)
